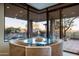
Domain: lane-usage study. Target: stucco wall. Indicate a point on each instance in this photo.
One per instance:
(3, 45)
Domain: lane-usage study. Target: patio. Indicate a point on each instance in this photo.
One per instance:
(71, 45)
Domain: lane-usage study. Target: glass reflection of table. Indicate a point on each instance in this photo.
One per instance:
(31, 41)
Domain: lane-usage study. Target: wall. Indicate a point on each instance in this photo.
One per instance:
(4, 49)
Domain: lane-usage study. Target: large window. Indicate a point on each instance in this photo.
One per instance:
(39, 29)
(55, 24)
(15, 28)
(70, 21)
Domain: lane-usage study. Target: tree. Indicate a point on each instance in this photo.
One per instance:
(17, 30)
(8, 30)
(68, 23)
(12, 30)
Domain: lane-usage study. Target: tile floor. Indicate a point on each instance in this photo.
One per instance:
(64, 54)
(69, 54)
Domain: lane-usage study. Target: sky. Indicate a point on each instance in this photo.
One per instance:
(13, 22)
(76, 24)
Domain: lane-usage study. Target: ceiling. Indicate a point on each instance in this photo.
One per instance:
(41, 5)
(21, 13)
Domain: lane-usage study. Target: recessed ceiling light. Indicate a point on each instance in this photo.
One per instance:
(64, 15)
(21, 11)
(8, 7)
(73, 12)
(16, 15)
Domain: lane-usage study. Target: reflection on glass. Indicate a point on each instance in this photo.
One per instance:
(17, 29)
(39, 33)
(39, 29)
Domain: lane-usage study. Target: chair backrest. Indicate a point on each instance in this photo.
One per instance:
(38, 51)
(56, 49)
(20, 42)
(16, 50)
